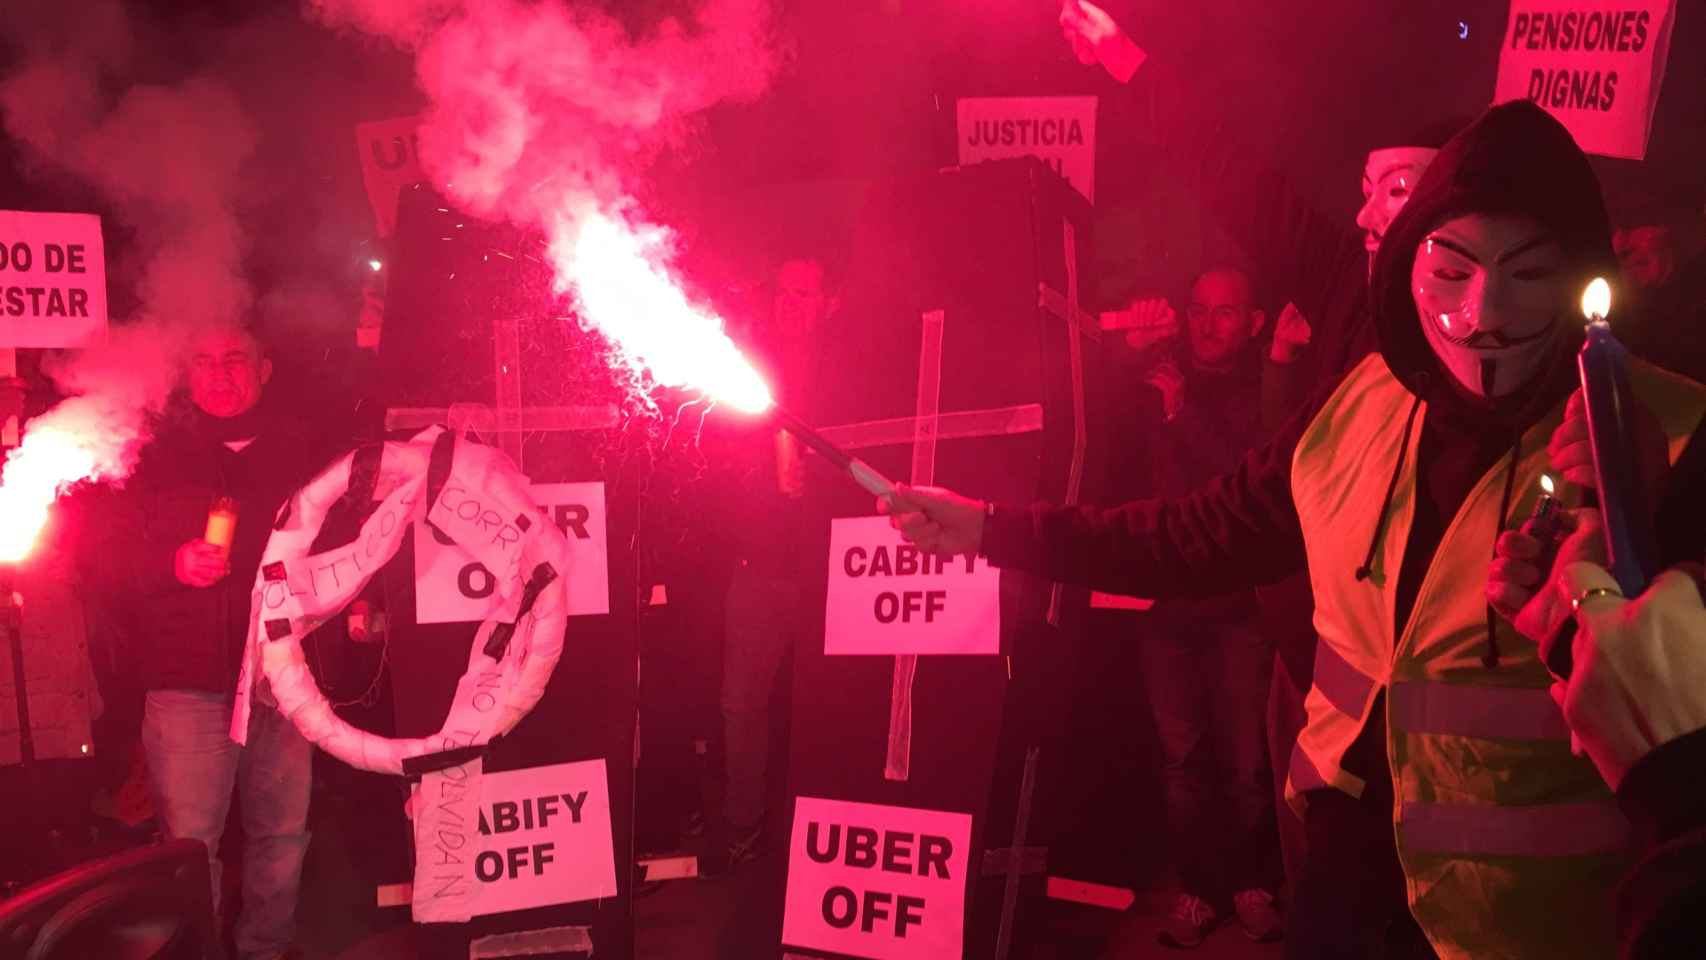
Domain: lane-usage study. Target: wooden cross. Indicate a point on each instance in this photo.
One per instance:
(1018, 859)
(928, 425)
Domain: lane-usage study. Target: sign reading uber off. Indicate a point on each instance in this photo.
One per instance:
(888, 597)
(867, 880)
(452, 587)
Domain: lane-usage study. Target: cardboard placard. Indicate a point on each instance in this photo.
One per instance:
(888, 597)
(53, 279)
(451, 586)
(1597, 67)
(1060, 131)
(868, 880)
(544, 838)
(390, 160)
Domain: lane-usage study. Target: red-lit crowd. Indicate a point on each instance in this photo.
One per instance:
(1328, 445)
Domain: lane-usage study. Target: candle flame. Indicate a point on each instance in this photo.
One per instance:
(1546, 483)
(624, 289)
(1596, 299)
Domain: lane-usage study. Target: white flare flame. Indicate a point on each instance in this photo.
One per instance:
(618, 273)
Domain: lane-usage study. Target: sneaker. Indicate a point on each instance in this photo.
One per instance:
(1257, 915)
(1191, 920)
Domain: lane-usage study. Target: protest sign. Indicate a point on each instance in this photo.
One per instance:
(390, 160)
(533, 838)
(451, 586)
(1596, 67)
(1060, 131)
(868, 880)
(53, 279)
(888, 597)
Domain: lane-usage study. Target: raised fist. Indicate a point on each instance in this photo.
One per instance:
(1291, 335)
(1096, 38)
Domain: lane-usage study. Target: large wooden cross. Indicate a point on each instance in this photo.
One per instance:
(928, 425)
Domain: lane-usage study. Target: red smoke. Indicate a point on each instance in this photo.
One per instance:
(169, 159)
(549, 116)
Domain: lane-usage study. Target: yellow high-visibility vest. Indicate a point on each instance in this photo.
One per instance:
(1510, 845)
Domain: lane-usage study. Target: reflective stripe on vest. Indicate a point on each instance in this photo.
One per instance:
(1344, 686)
(1458, 710)
(1444, 709)
(1546, 830)
(1304, 776)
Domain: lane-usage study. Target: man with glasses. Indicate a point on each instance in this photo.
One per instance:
(1206, 663)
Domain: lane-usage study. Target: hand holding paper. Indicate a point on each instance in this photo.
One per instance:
(1096, 38)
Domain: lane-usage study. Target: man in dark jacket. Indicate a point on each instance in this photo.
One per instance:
(192, 617)
(1434, 789)
(1207, 663)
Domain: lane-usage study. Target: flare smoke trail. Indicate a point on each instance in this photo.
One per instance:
(548, 115)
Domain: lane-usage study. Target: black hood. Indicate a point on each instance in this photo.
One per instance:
(1515, 159)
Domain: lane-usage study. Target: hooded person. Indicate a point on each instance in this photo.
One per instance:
(1434, 773)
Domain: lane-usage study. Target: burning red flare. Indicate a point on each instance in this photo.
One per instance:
(49, 461)
(619, 275)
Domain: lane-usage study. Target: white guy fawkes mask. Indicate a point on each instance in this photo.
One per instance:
(1489, 291)
(1388, 179)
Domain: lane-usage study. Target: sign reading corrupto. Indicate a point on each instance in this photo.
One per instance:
(867, 880)
(888, 597)
(451, 586)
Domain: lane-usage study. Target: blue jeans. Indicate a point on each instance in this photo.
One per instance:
(193, 766)
(1207, 682)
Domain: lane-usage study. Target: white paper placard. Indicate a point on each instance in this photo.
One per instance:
(1597, 67)
(545, 838)
(887, 597)
(53, 279)
(867, 880)
(1061, 131)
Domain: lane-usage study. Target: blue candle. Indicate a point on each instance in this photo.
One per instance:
(1604, 367)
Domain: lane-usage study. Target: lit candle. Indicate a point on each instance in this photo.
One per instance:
(1604, 367)
(222, 524)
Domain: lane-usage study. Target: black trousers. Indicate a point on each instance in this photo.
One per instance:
(1350, 902)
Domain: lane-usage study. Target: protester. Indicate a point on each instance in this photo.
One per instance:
(1207, 663)
(768, 605)
(1390, 488)
(1661, 242)
(192, 620)
(1319, 264)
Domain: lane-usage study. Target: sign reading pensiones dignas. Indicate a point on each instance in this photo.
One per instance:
(1060, 131)
(53, 279)
(453, 587)
(1596, 66)
(867, 880)
(888, 597)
